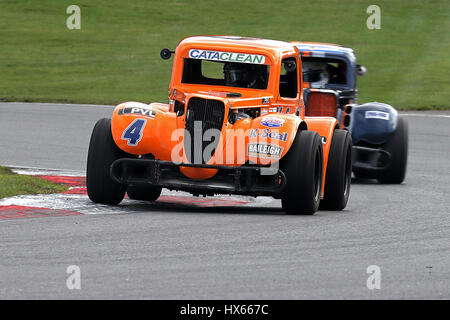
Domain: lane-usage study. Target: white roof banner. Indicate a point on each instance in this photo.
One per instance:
(226, 56)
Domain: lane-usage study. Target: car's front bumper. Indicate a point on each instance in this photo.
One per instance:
(370, 160)
(243, 180)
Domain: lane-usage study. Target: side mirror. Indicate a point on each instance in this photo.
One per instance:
(360, 70)
(166, 53)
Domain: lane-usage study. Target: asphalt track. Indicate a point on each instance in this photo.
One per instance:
(175, 251)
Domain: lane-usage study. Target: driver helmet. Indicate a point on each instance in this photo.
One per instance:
(239, 75)
(315, 73)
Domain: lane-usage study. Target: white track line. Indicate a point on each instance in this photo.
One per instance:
(43, 171)
(425, 115)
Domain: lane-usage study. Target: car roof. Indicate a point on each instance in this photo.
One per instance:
(322, 47)
(274, 47)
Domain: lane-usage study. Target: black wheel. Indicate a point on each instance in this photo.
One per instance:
(146, 193)
(339, 172)
(362, 175)
(397, 146)
(303, 167)
(102, 153)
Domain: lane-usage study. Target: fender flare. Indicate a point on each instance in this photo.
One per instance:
(325, 127)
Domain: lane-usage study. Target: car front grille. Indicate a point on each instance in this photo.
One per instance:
(202, 115)
(321, 104)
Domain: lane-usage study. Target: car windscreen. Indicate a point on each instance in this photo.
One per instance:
(320, 72)
(230, 74)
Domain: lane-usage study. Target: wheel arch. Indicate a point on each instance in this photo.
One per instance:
(325, 127)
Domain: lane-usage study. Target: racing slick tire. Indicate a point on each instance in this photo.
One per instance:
(360, 175)
(102, 153)
(303, 167)
(338, 174)
(147, 193)
(397, 146)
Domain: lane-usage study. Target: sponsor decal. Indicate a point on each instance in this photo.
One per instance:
(277, 110)
(377, 115)
(140, 111)
(264, 111)
(264, 150)
(280, 109)
(266, 133)
(265, 100)
(226, 56)
(272, 122)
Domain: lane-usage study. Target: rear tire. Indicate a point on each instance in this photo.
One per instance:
(102, 153)
(339, 172)
(303, 167)
(147, 193)
(397, 146)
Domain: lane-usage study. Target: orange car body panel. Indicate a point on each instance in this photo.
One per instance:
(324, 126)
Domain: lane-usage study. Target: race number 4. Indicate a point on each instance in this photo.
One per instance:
(133, 133)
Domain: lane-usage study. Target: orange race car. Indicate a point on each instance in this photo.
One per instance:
(235, 124)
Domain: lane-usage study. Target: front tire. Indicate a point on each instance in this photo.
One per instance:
(147, 193)
(102, 153)
(339, 172)
(303, 167)
(397, 146)
(361, 175)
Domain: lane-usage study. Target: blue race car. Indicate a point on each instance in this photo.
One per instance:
(379, 133)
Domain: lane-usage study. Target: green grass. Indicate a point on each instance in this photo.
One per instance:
(115, 55)
(12, 184)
